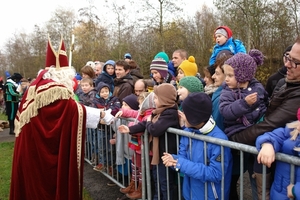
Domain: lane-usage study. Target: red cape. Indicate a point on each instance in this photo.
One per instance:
(49, 148)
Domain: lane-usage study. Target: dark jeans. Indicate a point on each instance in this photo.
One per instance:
(159, 174)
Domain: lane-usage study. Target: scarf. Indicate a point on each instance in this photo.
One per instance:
(166, 94)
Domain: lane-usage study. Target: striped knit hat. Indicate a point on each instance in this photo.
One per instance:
(161, 66)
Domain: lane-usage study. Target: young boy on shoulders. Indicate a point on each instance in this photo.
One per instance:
(225, 41)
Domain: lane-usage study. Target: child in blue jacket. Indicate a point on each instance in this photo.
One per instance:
(225, 41)
(197, 109)
(285, 140)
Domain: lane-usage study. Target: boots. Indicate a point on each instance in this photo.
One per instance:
(11, 127)
(259, 180)
(137, 194)
(129, 188)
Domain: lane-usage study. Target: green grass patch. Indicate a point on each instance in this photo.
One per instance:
(3, 116)
(6, 155)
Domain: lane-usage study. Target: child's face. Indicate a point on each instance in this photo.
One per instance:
(182, 92)
(104, 93)
(218, 77)
(125, 105)
(85, 75)
(140, 104)
(180, 74)
(208, 80)
(156, 76)
(220, 39)
(86, 87)
(110, 70)
(155, 99)
(229, 76)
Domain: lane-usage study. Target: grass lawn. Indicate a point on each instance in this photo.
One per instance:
(6, 150)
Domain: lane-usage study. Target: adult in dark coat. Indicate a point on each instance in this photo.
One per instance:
(123, 81)
(274, 78)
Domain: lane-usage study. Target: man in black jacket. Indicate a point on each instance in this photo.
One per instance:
(274, 78)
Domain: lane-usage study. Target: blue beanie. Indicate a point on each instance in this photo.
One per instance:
(127, 55)
(78, 77)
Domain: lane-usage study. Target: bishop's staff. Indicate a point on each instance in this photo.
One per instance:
(71, 50)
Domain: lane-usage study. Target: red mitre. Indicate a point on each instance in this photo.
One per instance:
(58, 58)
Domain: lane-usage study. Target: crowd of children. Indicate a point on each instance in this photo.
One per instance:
(222, 104)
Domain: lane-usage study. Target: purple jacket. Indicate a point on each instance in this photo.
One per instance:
(238, 115)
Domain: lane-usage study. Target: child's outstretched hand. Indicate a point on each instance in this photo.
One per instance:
(119, 113)
(123, 129)
(168, 160)
(251, 98)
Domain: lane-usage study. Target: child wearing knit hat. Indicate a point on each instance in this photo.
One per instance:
(165, 57)
(187, 68)
(165, 115)
(147, 105)
(187, 85)
(225, 41)
(159, 72)
(243, 100)
(197, 109)
(123, 153)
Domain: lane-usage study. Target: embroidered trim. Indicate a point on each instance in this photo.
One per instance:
(36, 99)
(79, 139)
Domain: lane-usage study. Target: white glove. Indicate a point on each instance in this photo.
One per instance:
(108, 117)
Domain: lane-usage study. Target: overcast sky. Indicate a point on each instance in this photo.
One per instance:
(21, 15)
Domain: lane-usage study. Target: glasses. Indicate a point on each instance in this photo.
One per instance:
(292, 62)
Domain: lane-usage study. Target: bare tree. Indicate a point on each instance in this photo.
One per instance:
(157, 14)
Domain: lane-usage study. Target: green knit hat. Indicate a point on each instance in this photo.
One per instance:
(191, 83)
(162, 55)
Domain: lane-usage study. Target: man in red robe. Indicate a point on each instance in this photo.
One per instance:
(50, 133)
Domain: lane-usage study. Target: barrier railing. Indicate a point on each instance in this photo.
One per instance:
(116, 158)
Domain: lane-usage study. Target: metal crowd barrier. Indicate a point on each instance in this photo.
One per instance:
(120, 174)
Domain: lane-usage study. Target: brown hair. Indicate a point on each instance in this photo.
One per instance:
(124, 64)
(132, 64)
(88, 70)
(87, 80)
(220, 62)
(206, 73)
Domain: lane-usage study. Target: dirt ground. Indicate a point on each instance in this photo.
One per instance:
(96, 183)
